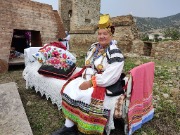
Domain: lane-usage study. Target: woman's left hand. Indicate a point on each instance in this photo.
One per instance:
(85, 85)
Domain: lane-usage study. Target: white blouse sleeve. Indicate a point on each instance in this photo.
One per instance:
(113, 70)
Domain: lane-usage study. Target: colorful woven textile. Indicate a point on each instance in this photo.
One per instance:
(89, 118)
(140, 107)
(84, 115)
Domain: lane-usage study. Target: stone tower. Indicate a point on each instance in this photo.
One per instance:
(80, 16)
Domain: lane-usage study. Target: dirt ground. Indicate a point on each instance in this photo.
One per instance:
(44, 117)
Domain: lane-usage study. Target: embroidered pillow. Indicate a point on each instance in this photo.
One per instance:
(39, 57)
(55, 44)
(60, 68)
(51, 51)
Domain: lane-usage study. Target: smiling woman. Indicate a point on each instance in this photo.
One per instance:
(88, 102)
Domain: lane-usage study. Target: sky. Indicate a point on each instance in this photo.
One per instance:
(140, 8)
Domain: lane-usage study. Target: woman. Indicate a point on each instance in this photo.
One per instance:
(88, 103)
(67, 38)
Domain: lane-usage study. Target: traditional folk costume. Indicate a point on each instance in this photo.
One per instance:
(92, 109)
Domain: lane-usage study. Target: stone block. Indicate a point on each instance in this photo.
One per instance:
(13, 119)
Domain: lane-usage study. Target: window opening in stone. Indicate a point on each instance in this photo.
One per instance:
(21, 40)
(70, 13)
(88, 20)
(147, 48)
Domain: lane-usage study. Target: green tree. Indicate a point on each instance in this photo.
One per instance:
(156, 37)
(145, 37)
(173, 33)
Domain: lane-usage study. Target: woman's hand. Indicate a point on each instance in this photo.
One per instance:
(85, 85)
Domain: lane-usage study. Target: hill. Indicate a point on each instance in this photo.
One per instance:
(146, 24)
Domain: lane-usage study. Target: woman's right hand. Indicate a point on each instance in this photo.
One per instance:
(85, 85)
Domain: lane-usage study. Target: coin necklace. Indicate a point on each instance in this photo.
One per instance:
(99, 66)
(87, 63)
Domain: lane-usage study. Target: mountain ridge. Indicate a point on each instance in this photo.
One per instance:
(146, 24)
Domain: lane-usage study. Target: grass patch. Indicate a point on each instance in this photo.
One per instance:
(44, 117)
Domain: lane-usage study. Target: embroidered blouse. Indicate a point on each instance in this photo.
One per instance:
(112, 64)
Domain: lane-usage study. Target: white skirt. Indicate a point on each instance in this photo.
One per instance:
(73, 91)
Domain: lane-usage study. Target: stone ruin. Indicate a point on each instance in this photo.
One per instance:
(41, 20)
(80, 18)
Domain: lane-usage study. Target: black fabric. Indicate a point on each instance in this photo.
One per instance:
(66, 130)
(114, 51)
(51, 71)
(19, 43)
(117, 88)
(114, 59)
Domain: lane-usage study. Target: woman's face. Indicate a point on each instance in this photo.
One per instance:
(104, 37)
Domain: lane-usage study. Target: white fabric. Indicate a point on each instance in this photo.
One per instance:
(114, 42)
(28, 54)
(67, 38)
(68, 123)
(73, 91)
(66, 42)
(50, 87)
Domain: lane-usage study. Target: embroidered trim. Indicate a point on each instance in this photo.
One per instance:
(85, 116)
(83, 106)
(114, 51)
(115, 59)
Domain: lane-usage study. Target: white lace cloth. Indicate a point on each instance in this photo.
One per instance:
(48, 86)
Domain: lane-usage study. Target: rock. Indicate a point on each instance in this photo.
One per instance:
(144, 133)
(179, 119)
(169, 101)
(174, 91)
(157, 97)
(157, 115)
(29, 103)
(138, 62)
(165, 95)
(3, 66)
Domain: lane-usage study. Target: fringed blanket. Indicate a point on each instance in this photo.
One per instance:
(140, 107)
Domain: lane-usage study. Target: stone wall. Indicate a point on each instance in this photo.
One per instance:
(85, 15)
(80, 16)
(126, 33)
(27, 15)
(65, 11)
(168, 50)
